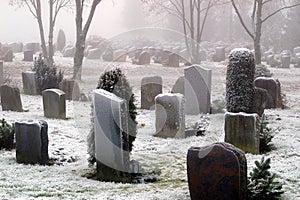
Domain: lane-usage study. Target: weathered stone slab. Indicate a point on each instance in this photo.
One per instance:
(71, 88)
(170, 117)
(32, 142)
(54, 103)
(28, 55)
(285, 61)
(178, 87)
(197, 89)
(220, 54)
(10, 98)
(241, 130)
(144, 58)
(173, 60)
(29, 83)
(111, 136)
(120, 55)
(150, 88)
(217, 171)
(260, 101)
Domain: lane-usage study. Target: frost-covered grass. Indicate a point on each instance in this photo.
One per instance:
(67, 144)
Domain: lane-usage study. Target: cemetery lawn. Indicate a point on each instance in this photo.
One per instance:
(67, 178)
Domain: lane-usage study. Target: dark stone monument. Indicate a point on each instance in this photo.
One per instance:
(32, 142)
(29, 83)
(54, 103)
(10, 98)
(71, 88)
(217, 171)
(150, 88)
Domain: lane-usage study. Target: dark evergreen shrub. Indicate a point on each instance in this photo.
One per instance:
(266, 135)
(46, 76)
(239, 81)
(262, 184)
(6, 135)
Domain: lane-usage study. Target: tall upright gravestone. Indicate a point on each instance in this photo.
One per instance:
(32, 142)
(197, 89)
(150, 88)
(240, 123)
(10, 98)
(111, 136)
(29, 83)
(54, 103)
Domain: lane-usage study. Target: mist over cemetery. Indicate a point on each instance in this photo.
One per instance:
(199, 106)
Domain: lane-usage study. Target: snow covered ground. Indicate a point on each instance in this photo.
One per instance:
(67, 141)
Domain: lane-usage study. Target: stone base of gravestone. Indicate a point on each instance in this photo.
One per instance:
(217, 171)
(197, 86)
(29, 83)
(241, 130)
(273, 91)
(178, 87)
(1, 74)
(260, 101)
(111, 136)
(54, 103)
(150, 88)
(32, 142)
(170, 116)
(28, 56)
(71, 88)
(10, 98)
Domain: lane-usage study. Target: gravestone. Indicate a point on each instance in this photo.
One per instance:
(178, 87)
(32, 142)
(32, 46)
(54, 103)
(267, 54)
(150, 88)
(111, 136)
(8, 56)
(220, 54)
(71, 89)
(296, 50)
(10, 98)
(217, 171)
(297, 58)
(241, 130)
(1, 73)
(120, 55)
(94, 54)
(285, 61)
(260, 101)
(197, 89)
(28, 55)
(273, 91)
(29, 83)
(169, 116)
(173, 60)
(144, 58)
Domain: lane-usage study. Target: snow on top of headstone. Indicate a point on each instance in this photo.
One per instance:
(240, 50)
(108, 95)
(178, 95)
(241, 113)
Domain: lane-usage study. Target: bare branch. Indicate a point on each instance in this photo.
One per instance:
(279, 10)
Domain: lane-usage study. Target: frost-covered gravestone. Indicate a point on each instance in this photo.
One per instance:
(173, 60)
(32, 141)
(220, 54)
(150, 88)
(120, 55)
(178, 86)
(29, 83)
(240, 122)
(71, 88)
(54, 103)
(197, 89)
(10, 98)
(217, 171)
(111, 136)
(1, 73)
(144, 58)
(285, 59)
(169, 116)
(273, 89)
(28, 55)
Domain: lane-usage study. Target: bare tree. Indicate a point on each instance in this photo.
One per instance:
(258, 17)
(35, 8)
(81, 33)
(193, 16)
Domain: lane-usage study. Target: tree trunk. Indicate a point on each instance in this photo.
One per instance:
(42, 34)
(257, 37)
(78, 58)
(50, 39)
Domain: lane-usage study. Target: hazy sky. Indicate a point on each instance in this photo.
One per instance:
(18, 25)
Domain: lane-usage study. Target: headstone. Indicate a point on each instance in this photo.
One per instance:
(10, 98)
(273, 91)
(8, 56)
(32, 46)
(169, 116)
(1, 73)
(29, 83)
(71, 88)
(297, 58)
(32, 142)
(285, 61)
(197, 89)
(144, 58)
(173, 60)
(260, 101)
(54, 103)
(120, 55)
(111, 138)
(296, 50)
(94, 54)
(178, 87)
(150, 88)
(28, 55)
(241, 130)
(217, 171)
(220, 54)
(267, 54)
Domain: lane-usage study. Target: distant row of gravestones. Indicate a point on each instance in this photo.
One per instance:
(284, 59)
